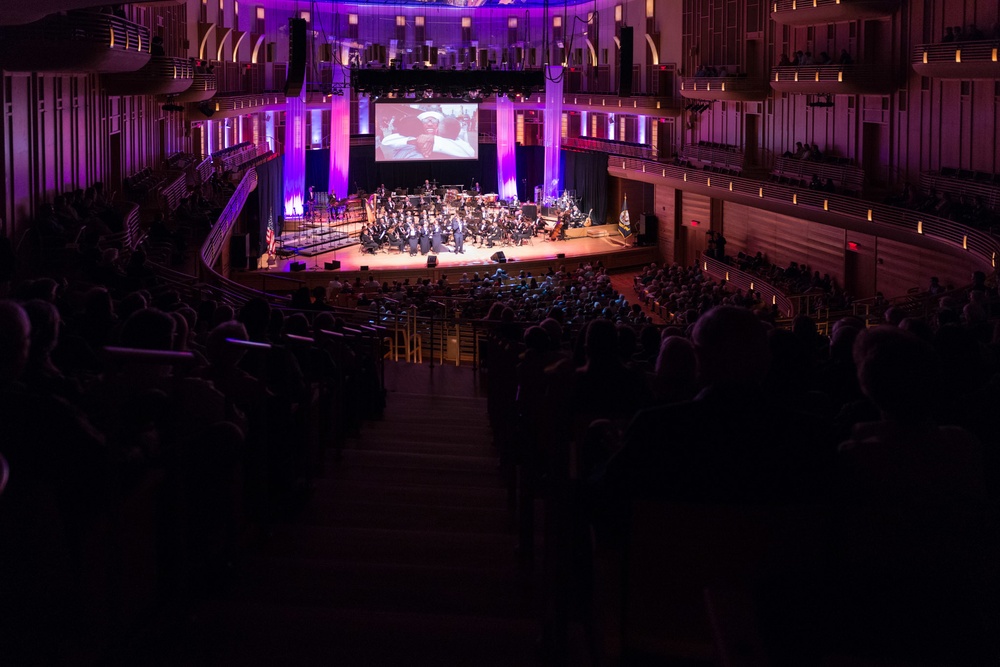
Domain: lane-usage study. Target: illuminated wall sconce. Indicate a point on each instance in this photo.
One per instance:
(774, 299)
(727, 276)
(623, 164)
(760, 193)
(708, 182)
(994, 58)
(704, 267)
(644, 169)
(685, 177)
(869, 215)
(664, 173)
(965, 243)
(958, 55)
(840, 77)
(920, 226)
(730, 186)
(993, 260)
(925, 57)
(795, 198)
(751, 285)
(826, 204)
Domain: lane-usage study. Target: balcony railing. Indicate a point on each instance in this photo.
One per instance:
(162, 75)
(814, 12)
(612, 147)
(723, 88)
(769, 294)
(79, 41)
(611, 103)
(814, 204)
(958, 60)
(225, 106)
(830, 79)
(203, 87)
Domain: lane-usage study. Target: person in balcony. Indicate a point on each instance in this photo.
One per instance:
(156, 47)
(825, 59)
(949, 35)
(845, 58)
(807, 59)
(784, 61)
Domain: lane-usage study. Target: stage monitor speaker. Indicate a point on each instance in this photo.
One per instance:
(529, 211)
(297, 266)
(296, 57)
(332, 266)
(432, 261)
(239, 251)
(546, 210)
(648, 229)
(625, 62)
(498, 256)
(434, 55)
(560, 255)
(364, 267)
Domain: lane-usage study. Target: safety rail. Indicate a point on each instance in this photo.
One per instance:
(981, 244)
(218, 237)
(812, 12)
(979, 51)
(723, 87)
(205, 170)
(830, 79)
(612, 147)
(77, 41)
(769, 294)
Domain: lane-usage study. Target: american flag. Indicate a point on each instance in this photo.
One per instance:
(269, 235)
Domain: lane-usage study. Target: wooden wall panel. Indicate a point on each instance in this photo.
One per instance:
(901, 267)
(735, 227)
(663, 205)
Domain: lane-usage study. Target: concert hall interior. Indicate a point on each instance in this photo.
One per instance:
(500, 332)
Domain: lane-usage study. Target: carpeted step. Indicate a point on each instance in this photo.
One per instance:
(255, 634)
(389, 545)
(335, 490)
(408, 516)
(424, 588)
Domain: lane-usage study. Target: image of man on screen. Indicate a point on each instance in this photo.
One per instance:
(433, 136)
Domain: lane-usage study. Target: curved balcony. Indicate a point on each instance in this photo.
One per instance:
(75, 42)
(830, 79)
(202, 88)
(162, 75)
(958, 60)
(814, 12)
(739, 88)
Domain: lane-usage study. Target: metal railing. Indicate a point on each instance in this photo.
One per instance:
(612, 147)
(768, 293)
(981, 244)
(957, 52)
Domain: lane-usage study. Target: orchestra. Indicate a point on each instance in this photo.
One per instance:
(436, 220)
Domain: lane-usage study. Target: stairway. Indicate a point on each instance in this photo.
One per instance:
(404, 555)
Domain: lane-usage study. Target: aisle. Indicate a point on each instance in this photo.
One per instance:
(404, 556)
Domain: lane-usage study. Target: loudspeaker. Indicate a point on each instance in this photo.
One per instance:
(332, 266)
(239, 251)
(648, 228)
(364, 267)
(296, 57)
(625, 62)
(529, 211)
(560, 255)
(498, 256)
(297, 266)
(432, 261)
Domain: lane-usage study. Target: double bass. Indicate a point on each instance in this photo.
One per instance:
(561, 220)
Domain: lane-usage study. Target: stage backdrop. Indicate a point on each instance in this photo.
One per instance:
(266, 203)
(587, 173)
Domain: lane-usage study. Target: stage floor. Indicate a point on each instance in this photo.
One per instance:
(540, 249)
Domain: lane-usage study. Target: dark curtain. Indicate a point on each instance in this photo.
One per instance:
(530, 170)
(318, 169)
(267, 201)
(587, 173)
(366, 174)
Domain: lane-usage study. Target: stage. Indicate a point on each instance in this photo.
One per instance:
(586, 244)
